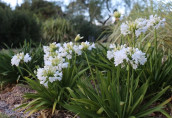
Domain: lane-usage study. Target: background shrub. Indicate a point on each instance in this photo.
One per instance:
(83, 27)
(24, 27)
(17, 26)
(5, 17)
(59, 30)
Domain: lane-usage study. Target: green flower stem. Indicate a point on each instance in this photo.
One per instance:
(91, 73)
(156, 45)
(19, 69)
(127, 91)
(129, 41)
(134, 39)
(118, 75)
(155, 39)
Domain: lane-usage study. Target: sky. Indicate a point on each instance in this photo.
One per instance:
(13, 3)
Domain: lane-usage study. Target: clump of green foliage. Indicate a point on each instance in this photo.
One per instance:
(58, 30)
(17, 26)
(13, 74)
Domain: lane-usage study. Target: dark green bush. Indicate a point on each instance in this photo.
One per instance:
(5, 16)
(24, 26)
(17, 26)
(83, 27)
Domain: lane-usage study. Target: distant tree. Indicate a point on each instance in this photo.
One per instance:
(3, 5)
(99, 10)
(90, 8)
(43, 9)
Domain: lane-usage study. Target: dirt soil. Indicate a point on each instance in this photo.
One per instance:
(12, 97)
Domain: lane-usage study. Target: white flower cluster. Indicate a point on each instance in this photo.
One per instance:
(50, 72)
(141, 25)
(20, 57)
(156, 22)
(122, 54)
(55, 59)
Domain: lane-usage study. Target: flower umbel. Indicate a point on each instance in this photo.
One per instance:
(20, 57)
(123, 54)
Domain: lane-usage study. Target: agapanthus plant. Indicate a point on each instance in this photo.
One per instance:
(59, 72)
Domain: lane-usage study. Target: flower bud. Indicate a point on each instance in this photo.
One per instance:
(78, 37)
(100, 110)
(122, 103)
(117, 14)
(149, 45)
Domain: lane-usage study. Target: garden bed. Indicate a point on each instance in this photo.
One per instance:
(12, 96)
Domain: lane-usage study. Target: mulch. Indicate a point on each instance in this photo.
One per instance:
(12, 96)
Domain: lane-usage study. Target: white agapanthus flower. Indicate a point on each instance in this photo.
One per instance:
(48, 74)
(138, 26)
(120, 56)
(66, 50)
(52, 47)
(139, 57)
(86, 46)
(156, 22)
(112, 46)
(125, 29)
(57, 62)
(50, 51)
(123, 54)
(77, 50)
(16, 59)
(110, 54)
(27, 58)
(141, 25)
